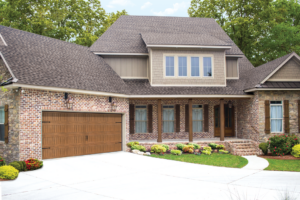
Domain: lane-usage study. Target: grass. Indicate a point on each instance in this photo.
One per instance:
(283, 165)
(215, 159)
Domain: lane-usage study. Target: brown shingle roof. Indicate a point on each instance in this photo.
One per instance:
(124, 36)
(280, 85)
(256, 75)
(181, 39)
(43, 61)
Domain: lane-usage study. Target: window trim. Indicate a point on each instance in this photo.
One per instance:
(198, 120)
(211, 66)
(135, 109)
(3, 107)
(189, 66)
(281, 104)
(168, 120)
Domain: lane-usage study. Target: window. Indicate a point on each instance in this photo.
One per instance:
(169, 66)
(207, 66)
(276, 116)
(140, 119)
(2, 121)
(182, 66)
(195, 66)
(168, 119)
(197, 118)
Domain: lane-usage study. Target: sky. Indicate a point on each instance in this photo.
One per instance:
(176, 8)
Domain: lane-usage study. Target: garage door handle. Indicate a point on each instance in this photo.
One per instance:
(86, 137)
(46, 148)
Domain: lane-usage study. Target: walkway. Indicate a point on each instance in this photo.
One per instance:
(256, 163)
(128, 176)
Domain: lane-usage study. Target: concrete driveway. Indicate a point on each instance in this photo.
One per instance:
(123, 175)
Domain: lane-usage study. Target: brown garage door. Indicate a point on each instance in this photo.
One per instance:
(72, 134)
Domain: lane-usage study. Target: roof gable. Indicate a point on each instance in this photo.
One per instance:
(290, 71)
(124, 36)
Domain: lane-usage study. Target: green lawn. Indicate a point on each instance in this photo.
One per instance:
(283, 165)
(215, 159)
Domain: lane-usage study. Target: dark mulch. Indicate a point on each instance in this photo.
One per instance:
(285, 157)
(6, 179)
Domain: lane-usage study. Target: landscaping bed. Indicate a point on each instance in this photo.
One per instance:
(215, 159)
(285, 157)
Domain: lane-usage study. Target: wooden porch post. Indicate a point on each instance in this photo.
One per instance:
(222, 120)
(159, 138)
(190, 121)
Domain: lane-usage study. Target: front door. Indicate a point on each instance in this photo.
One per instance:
(229, 121)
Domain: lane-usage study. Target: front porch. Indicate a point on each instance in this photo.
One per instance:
(196, 140)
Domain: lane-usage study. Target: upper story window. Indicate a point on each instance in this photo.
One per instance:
(141, 119)
(182, 66)
(170, 66)
(168, 119)
(195, 67)
(207, 66)
(188, 66)
(276, 116)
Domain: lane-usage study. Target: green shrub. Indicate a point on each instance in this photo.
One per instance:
(196, 146)
(188, 149)
(166, 146)
(158, 149)
(282, 144)
(16, 165)
(296, 151)
(207, 149)
(221, 146)
(264, 147)
(206, 152)
(176, 152)
(8, 172)
(130, 144)
(223, 151)
(138, 147)
(180, 146)
(213, 145)
(2, 161)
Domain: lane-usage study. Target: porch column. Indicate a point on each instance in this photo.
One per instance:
(222, 120)
(190, 120)
(159, 138)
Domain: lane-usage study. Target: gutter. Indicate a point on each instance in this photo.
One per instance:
(108, 94)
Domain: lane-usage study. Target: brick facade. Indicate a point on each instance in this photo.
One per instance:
(33, 102)
(182, 134)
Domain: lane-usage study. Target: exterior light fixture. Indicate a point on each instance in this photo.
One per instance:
(113, 106)
(229, 104)
(68, 101)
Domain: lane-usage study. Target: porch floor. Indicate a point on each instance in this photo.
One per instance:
(195, 140)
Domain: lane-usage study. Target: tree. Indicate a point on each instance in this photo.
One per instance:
(253, 24)
(78, 21)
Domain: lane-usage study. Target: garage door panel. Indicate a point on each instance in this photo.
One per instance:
(71, 134)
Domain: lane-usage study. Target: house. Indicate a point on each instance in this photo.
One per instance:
(147, 79)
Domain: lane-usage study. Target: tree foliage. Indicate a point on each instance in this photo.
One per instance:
(78, 21)
(263, 29)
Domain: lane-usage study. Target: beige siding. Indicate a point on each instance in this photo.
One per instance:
(157, 73)
(128, 67)
(289, 72)
(232, 68)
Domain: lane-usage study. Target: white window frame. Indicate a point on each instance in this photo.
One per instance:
(168, 120)
(199, 65)
(165, 66)
(198, 120)
(3, 122)
(135, 109)
(211, 66)
(281, 104)
(189, 66)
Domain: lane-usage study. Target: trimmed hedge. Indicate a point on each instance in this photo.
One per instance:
(8, 172)
(264, 147)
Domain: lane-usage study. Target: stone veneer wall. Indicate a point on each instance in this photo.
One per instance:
(10, 151)
(248, 119)
(292, 96)
(33, 102)
(182, 134)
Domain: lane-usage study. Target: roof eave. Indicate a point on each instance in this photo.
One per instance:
(188, 46)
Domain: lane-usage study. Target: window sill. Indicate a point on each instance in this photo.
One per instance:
(2, 142)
